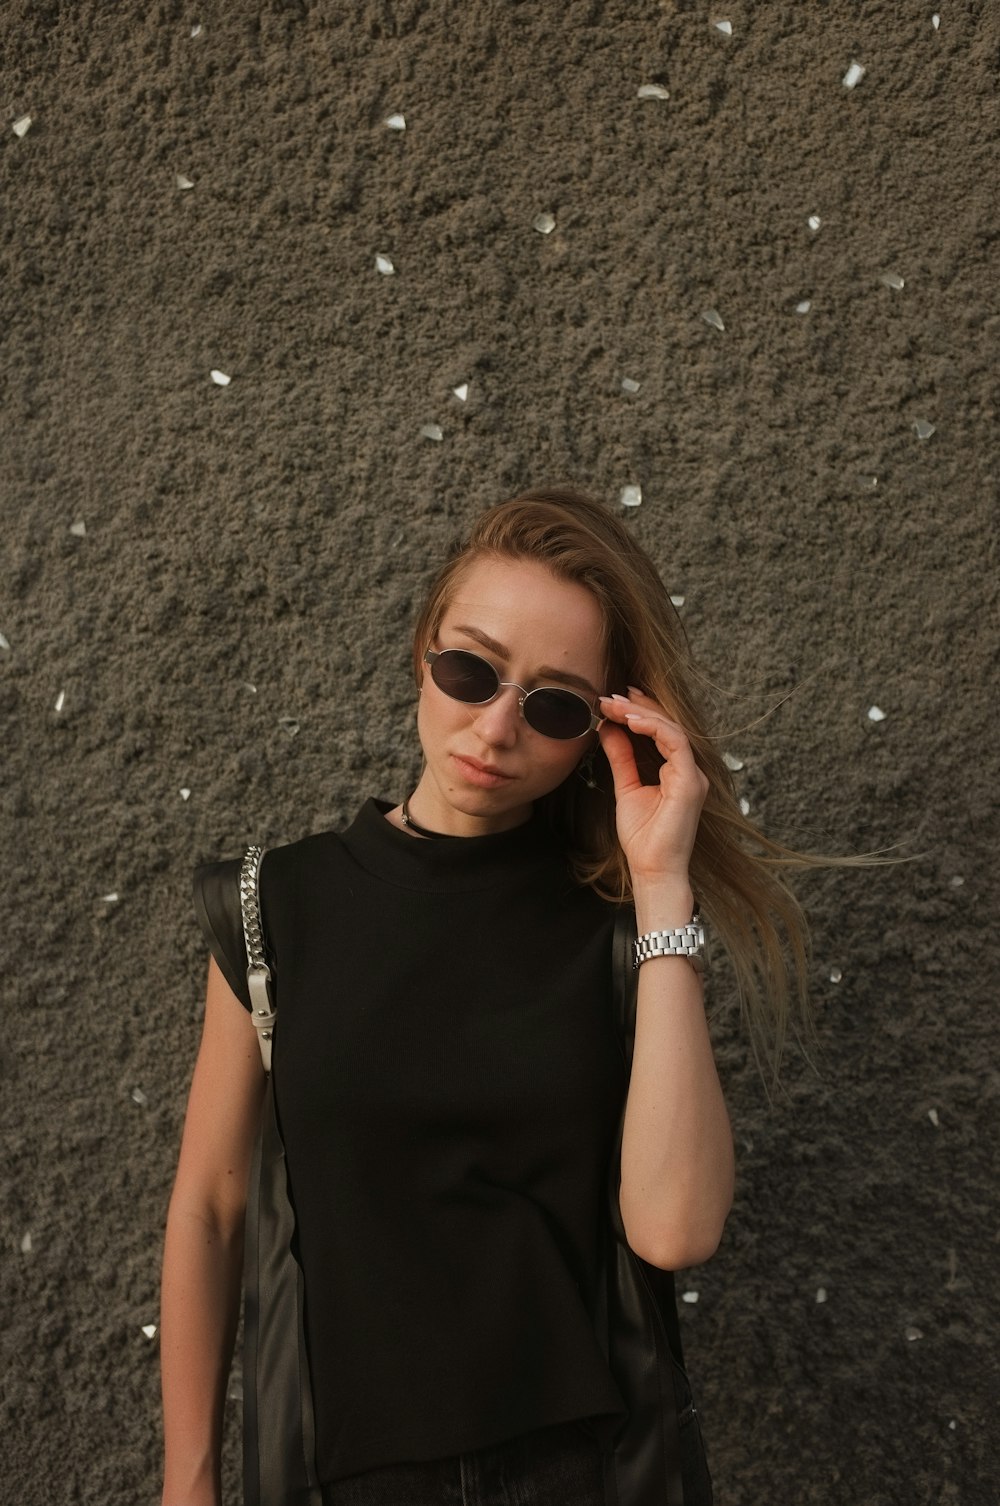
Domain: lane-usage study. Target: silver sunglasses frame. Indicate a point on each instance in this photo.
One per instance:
(430, 655)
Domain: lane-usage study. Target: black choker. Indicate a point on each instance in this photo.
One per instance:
(412, 825)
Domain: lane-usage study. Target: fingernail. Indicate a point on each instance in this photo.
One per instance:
(617, 697)
(634, 690)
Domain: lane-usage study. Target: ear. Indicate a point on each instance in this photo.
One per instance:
(585, 763)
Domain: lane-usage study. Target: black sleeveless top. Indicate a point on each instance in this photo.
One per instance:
(448, 1082)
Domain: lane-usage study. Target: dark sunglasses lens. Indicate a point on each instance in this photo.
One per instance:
(464, 676)
(557, 713)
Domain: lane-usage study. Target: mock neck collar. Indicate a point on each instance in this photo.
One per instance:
(455, 863)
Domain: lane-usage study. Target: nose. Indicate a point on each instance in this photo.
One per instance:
(497, 721)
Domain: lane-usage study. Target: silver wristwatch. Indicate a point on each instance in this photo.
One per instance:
(687, 941)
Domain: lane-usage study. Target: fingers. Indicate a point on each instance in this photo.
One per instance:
(641, 714)
(645, 718)
(657, 822)
(619, 752)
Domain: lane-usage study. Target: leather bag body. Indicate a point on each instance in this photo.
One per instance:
(279, 1438)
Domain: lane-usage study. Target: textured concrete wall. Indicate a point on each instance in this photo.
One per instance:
(275, 533)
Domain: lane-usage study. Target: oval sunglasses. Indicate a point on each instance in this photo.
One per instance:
(551, 711)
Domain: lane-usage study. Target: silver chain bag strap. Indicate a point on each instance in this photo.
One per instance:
(279, 1436)
(258, 973)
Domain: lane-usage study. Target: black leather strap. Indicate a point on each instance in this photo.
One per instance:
(217, 906)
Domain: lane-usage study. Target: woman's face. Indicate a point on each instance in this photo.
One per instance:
(484, 765)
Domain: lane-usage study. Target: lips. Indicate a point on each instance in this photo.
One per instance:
(484, 774)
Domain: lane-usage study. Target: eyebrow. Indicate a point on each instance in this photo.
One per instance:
(546, 672)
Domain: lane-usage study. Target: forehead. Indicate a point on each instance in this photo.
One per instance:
(532, 612)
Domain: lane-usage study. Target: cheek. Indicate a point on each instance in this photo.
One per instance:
(437, 715)
(559, 761)
(425, 716)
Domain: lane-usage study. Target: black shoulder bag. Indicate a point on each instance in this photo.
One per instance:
(279, 1464)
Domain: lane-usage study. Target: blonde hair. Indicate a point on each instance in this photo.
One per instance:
(735, 869)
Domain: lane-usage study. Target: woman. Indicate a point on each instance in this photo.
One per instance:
(446, 1071)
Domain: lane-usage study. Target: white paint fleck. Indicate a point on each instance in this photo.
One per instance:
(60, 700)
(22, 125)
(79, 529)
(912, 1333)
(876, 714)
(26, 1244)
(678, 600)
(110, 899)
(185, 793)
(396, 122)
(219, 377)
(544, 223)
(936, 22)
(714, 318)
(892, 280)
(384, 265)
(726, 27)
(804, 306)
(853, 76)
(932, 1115)
(923, 429)
(821, 1294)
(149, 1329)
(836, 976)
(732, 762)
(652, 91)
(814, 222)
(631, 496)
(432, 431)
(744, 805)
(461, 391)
(139, 1097)
(630, 385)
(691, 1296)
(4, 644)
(183, 181)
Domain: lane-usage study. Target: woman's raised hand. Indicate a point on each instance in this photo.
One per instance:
(657, 823)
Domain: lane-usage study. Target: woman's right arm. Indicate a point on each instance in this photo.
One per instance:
(203, 1251)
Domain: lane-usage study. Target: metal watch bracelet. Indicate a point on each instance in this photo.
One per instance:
(686, 941)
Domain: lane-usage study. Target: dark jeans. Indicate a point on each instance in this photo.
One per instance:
(553, 1466)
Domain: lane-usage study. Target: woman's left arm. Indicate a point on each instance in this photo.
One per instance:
(677, 1163)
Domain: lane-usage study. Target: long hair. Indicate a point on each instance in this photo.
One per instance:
(735, 869)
